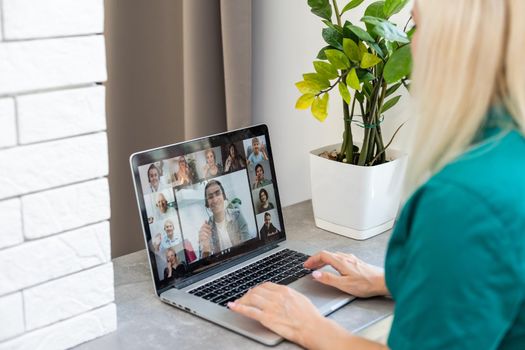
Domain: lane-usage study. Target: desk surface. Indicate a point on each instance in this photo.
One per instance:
(146, 322)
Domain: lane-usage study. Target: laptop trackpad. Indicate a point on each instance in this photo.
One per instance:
(326, 298)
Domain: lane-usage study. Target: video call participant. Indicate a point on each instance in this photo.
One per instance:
(258, 153)
(235, 161)
(183, 176)
(153, 178)
(225, 228)
(268, 229)
(175, 269)
(264, 204)
(211, 168)
(260, 181)
(169, 240)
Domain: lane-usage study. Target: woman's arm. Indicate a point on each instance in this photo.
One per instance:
(293, 316)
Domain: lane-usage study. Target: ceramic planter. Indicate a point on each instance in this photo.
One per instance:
(356, 201)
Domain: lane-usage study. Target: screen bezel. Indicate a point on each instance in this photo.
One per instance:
(225, 260)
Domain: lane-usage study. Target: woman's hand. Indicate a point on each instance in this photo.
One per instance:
(284, 311)
(357, 277)
(205, 238)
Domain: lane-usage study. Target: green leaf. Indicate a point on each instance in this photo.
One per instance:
(351, 5)
(411, 32)
(392, 89)
(325, 69)
(321, 8)
(393, 6)
(377, 49)
(399, 65)
(337, 59)
(345, 94)
(351, 49)
(360, 33)
(320, 107)
(390, 103)
(308, 87)
(369, 60)
(375, 9)
(321, 55)
(364, 75)
(347, 33)
(367, 89)
(333, 38)
(305, 101)
(318, 79)
(333, 26)
(386, 29)
(352, 80)
(362, 50)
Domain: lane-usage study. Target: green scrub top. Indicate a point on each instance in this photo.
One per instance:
(456, 261)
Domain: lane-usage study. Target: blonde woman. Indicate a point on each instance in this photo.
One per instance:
(456, 260)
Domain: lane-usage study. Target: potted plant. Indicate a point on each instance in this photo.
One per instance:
(366, 65)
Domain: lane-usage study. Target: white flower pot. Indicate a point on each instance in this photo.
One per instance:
(356, 201)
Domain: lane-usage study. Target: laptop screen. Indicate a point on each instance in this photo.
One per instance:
(206, 201)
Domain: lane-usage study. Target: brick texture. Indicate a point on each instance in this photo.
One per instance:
(41, 64)
(11, 219)
(69, 296)
(27, 19)
(61, 114)
(68, 333)
(51, 164)
(7, 122)
(11, 316)
(54, 257)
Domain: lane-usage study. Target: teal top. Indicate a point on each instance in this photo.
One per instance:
(456, 261)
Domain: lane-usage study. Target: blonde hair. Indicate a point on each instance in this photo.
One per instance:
(468, 57)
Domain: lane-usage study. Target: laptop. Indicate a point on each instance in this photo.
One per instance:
(213, 228)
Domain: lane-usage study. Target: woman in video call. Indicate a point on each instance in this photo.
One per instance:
(455, 265)
(264, 204)
(258, 153)
(211, 168)
(153, 178)
(225, 228)
(235, 161)
(175, 269)
(184, 175)
(260, 180)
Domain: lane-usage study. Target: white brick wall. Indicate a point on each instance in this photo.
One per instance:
(51, 63)
(7, 122)
(30, 18)
(61, 113)
(11, 316)
(68, 333)
(56, 275)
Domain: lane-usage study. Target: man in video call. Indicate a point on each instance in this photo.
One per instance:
(268, 229)
(225, 228)
(260, 180)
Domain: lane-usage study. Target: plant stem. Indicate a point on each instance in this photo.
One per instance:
(363, 156)
(337, 14)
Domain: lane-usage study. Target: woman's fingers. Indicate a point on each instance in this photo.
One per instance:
(325, 258)
(328, 278)
(246, 310)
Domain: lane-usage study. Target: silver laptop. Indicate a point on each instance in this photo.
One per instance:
(214, 228)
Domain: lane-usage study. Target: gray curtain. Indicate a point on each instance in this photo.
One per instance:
(177, 69)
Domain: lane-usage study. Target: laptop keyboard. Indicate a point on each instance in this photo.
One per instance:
(283, 267)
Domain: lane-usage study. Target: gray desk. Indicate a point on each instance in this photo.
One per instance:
(145, 322)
